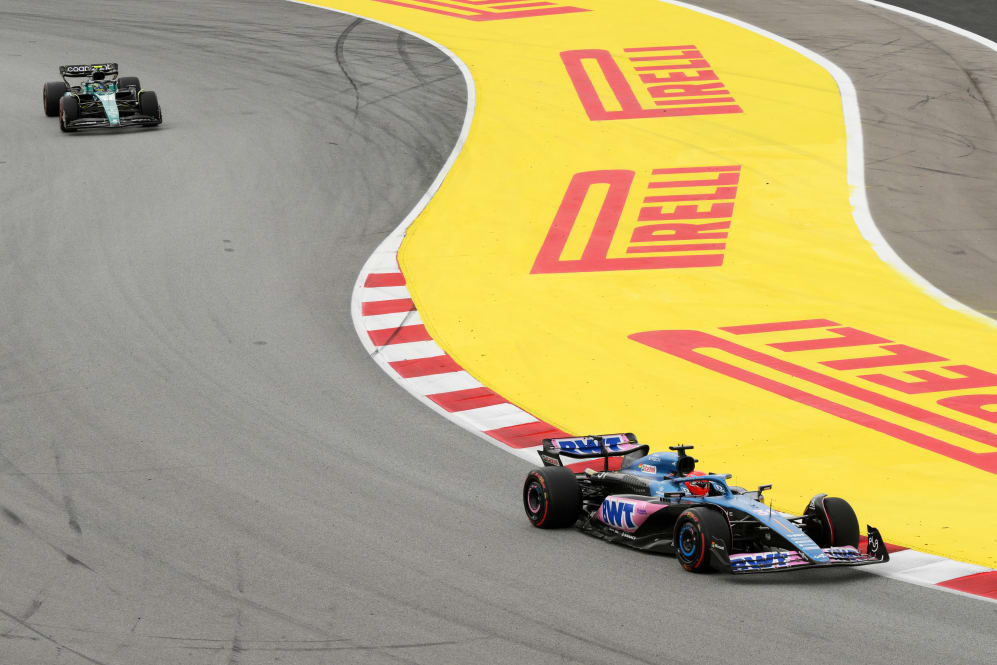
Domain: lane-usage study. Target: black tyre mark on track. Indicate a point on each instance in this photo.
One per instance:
(408, 315)
(341, 61)
(236, 647)
(15, 519)
(67, 499)
(423, 83)
(35, 606)
(240, 582)
(980, 96)
(407, 59)
(27, 479)
(58, 644)
(76, 562)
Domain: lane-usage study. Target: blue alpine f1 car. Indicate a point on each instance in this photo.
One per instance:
(660, 503)
(100, 99)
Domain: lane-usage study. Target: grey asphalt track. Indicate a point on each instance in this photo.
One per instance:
(198, 464)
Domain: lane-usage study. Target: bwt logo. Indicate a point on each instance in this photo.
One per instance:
(618, 514)
(664, 81)
(486, 10)
(674, 224)
(588, 445)
(757, 561)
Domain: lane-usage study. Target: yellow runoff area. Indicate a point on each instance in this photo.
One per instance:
(580, 215)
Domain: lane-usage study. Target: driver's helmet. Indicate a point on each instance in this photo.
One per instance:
(701, 488)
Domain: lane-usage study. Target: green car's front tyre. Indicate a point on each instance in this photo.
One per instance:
(148, 104)
(69, 110)
(51, 93)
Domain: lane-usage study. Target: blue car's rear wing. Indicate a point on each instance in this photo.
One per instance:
(78, 71)
(592, 446)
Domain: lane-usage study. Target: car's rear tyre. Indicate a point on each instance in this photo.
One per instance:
(695, 530)
(148, 103)
(127, 81)
(69, 110)
(51, 93)
(831, 522)
(552, 497)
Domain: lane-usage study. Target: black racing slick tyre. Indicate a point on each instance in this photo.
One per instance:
(51, 93)
(125, 82)
(148, 103)
(695, 530)
(552, 497)
(69, 110)
(831, 522)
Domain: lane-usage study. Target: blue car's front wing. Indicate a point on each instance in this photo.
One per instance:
(782, 560)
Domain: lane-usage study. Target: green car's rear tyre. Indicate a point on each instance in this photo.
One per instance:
(51, 93)
(127, 81)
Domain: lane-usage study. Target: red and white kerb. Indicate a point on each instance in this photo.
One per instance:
(396, 337)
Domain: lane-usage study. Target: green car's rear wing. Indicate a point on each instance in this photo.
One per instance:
(79, 71)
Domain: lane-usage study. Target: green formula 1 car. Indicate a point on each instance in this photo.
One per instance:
(102, 99)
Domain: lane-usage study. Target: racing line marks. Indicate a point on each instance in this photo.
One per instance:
(653, 82)
(682, 218)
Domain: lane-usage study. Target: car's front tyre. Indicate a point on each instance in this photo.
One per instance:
(831, 522)
(552, 497)
(695, 530)
(148, 104)
(69, 110)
